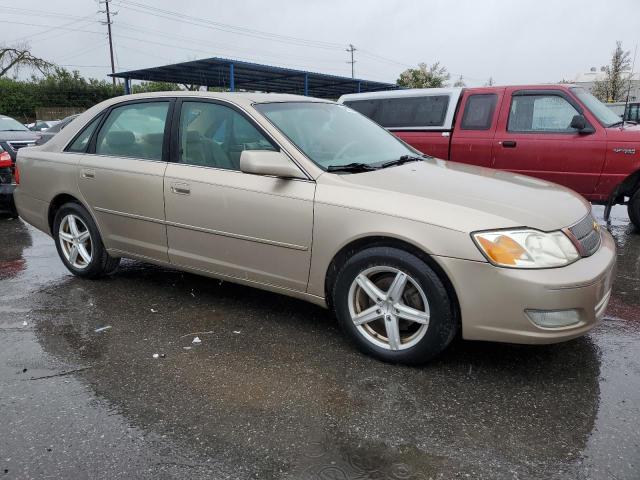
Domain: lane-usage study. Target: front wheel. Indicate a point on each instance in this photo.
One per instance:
(633, 208)
(394, 306)
(79, 244)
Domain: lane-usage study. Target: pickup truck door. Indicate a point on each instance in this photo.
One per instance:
(534, 138)
(475, 128)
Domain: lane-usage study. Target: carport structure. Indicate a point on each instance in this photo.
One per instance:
(239, 75)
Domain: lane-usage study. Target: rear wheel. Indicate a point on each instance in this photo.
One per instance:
(394, 306)
(633, 208)
(79, 244)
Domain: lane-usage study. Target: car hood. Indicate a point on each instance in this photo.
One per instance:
(22, 135)
(630, 132)
(456, 196)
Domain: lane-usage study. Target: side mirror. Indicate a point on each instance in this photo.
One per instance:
(581, 125)
(265, 162)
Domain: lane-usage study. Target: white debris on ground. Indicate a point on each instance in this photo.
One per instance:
(102, 329)
(196, 340)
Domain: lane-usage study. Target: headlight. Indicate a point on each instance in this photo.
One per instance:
(526, 248)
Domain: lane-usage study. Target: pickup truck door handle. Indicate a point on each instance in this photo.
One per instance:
(508, 144)
(181, 188)
(88, 173)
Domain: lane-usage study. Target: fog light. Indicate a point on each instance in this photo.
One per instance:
(554, 318)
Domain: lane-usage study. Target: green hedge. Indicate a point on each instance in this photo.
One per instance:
(19, 99)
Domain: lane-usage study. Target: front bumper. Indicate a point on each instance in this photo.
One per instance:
(493, 300)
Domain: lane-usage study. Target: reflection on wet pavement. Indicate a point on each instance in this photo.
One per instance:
(275, 391)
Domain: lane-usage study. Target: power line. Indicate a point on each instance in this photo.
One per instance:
(176, 16)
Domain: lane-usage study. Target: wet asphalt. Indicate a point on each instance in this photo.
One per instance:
(274, 391)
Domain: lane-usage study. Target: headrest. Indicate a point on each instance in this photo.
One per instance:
(120, 138)
(193, 136)
(154, 138)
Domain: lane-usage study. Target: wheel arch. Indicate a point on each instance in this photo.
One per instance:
(59, 200)
(362, 243)
(627, 187)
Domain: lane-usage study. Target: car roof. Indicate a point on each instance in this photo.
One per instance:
(242, 98)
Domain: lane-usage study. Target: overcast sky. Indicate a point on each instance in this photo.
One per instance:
(512, 41)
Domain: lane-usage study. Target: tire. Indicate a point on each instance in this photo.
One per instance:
(423, 298)
(91, 259)
(633, 208)
(13, 211)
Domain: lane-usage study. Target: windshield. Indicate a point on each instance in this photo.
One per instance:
(8, 123)
(333, 135)
(603, 113)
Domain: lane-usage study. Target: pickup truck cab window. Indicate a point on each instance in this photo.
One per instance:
(478, 112)
(540, 113)
(134, 130)
(213, 135)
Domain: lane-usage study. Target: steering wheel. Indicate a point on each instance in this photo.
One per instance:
(345, 149)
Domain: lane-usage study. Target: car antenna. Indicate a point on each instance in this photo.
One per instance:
(626, 103)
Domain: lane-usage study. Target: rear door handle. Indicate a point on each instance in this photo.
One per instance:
(88, 173)
(508, 144)
(181, 188)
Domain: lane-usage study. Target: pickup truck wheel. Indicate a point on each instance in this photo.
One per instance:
(393, 306)
(79, 244)
(633, 208)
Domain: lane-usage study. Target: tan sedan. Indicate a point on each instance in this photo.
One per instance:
(310, 199)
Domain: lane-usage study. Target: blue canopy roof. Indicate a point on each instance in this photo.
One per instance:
(240, 75)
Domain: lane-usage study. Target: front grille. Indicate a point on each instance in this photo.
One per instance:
(587, 235)
(17, 145)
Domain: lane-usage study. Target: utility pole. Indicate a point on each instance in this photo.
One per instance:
(351, 49)
(113, 70)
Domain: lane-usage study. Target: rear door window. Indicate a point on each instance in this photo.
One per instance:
(478, 112)
(135, 130)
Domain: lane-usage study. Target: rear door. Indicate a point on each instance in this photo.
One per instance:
(121, 176)
(472, 139)
(250, 227)
(534, 137)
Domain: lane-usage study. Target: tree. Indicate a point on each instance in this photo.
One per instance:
(460, 82)
(155, 87)
(424, 76)
(19, 57)
(614, 86)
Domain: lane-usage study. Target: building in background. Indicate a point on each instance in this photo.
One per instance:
(588, 80)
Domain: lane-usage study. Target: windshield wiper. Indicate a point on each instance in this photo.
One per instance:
(622, 122)
(401, 160)
(351, 167)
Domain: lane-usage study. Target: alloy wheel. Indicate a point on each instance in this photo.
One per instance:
(75, 241)
(389, 308)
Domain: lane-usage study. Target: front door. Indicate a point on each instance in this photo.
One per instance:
(121, 178)
(220, 220)
(535, 138)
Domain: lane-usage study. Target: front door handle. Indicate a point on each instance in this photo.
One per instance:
(88, 173)
(508, 144)
(181, 188)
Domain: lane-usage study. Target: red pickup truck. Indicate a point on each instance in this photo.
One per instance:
(559, 133)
